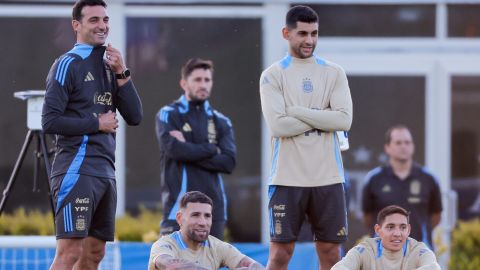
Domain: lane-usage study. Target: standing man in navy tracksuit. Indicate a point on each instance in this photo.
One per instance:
(404, 183)
(196, 146)
(84, 91)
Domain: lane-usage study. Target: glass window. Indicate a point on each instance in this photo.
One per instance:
(380, 102)
(463, 20)
(376, 20)
(157, 48)
(466, 144)
(29, 47)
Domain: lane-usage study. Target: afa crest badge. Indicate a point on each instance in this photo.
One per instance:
(307, 85)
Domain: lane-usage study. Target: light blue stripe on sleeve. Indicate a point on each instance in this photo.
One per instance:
(183, 189)
(221, 116)
(64, 72)
(371, 174)
(61, 62)
(61, 67)
(220, 180)
(276, 149)
(338, 157)
(164, 113)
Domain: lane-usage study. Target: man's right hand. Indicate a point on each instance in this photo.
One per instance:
(177, 135)
(107, 122)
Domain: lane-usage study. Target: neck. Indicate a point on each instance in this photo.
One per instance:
(196, 102)
(401, 168)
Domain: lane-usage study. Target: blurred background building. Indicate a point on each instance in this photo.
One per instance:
(410, 62)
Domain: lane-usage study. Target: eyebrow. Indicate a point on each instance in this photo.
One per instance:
(388, 224)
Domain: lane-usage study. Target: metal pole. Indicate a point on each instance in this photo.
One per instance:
(16, 168)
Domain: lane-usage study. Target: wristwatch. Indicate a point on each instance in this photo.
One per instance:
(125, 74)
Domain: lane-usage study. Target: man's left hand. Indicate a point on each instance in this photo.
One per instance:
(114, 59)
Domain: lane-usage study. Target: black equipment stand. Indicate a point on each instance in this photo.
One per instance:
(40, 152)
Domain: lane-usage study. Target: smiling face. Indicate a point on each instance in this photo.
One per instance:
(93, 26)
(393, 231)
(302, 40)
(195, 221)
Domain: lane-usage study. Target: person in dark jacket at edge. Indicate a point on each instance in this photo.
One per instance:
(84, 90)
(196, 145)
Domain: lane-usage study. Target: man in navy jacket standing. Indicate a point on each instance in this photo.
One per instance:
(84, 91)
(196, 145)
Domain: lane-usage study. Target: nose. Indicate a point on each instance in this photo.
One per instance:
(102, 24)
(202, 221)
(309, 39)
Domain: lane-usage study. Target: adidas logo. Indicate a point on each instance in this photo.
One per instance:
(89, 77)
(343, 231)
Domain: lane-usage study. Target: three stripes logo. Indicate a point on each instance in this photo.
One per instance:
(342, 232)
(67, 218)
(89, 77)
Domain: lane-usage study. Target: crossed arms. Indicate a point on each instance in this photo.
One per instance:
(219, 157)
(289, 121)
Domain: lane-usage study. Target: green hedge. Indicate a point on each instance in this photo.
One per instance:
(22, 222)
(465, 250)
(143, 227)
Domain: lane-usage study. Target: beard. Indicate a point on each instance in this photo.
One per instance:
(197, 100)
(302, 55)
(197, 237)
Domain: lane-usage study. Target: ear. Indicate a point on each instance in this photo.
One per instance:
(178, 217)
(183, 84)
(377, 229)
(75, 25)
(285, 33)
(409, 228)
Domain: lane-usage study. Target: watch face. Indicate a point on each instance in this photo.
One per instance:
(125, 74)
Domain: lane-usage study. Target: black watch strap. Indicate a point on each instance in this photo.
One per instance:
(125, 74)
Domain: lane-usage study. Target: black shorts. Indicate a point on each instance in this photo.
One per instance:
(84, 206)
(324, 206)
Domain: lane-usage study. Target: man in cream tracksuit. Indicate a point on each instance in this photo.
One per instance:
(393, 249)
(305, 99)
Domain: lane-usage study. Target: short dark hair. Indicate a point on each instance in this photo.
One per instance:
(195, 63)
(80, 4)
(300, 14)
(194, 197)
(388, 134)
(390, 210)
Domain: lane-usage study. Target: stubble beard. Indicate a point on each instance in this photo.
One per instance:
(197, 238)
